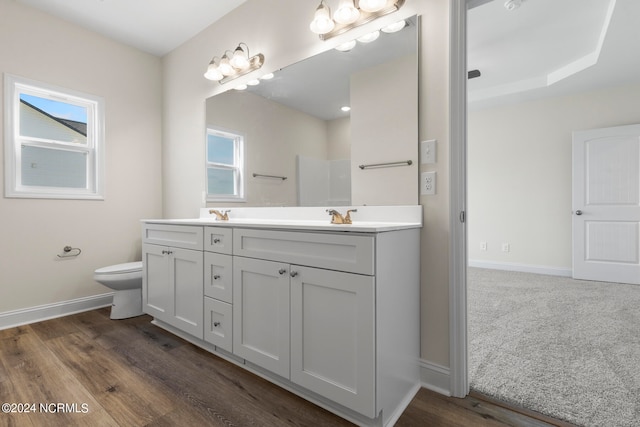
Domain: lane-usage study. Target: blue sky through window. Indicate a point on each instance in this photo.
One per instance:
(59, 109)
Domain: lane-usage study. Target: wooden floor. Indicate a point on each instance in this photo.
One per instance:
(87, 370)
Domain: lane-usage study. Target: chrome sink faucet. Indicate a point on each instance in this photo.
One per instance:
(220, 216)
(337, 218)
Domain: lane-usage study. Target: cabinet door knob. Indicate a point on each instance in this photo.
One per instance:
(216, 324)
(294, 273)
(216, 240)
(282, 271)
(216, 277)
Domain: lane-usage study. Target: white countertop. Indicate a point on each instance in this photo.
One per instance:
(368, 219)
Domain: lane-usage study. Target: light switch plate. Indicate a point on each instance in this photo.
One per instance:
(428, 151)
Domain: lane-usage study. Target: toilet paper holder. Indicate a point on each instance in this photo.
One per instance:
(69, 251)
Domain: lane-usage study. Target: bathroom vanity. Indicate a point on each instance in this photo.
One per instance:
(327, 311)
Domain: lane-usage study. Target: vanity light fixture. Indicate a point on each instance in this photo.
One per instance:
(346, 13)
(395, 27)
(233, 64)
(347, 16)
(513, 4)
(346, 46)
(368, 38)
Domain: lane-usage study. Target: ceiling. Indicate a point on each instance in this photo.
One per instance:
(542, 48)
(550, 48)
(153, 26)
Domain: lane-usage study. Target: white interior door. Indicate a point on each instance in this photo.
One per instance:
(606, 204)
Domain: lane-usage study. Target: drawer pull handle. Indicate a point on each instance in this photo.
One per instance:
(294, 273)
(216, 324)
(216, 240)
(216, 277)
(282, 271)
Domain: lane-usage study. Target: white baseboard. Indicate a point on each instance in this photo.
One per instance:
(10, 319)
(524, 268)
(435, 377)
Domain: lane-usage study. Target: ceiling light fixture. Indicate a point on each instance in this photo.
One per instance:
(233, 64)
(347, 16)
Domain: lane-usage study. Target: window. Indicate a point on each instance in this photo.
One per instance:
(225, 166)
(54, 141)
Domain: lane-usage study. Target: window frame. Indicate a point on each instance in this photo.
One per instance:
(93, 149)
(238, 166)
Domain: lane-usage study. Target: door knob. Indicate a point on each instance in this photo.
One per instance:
(282, 271)
(578, 212)
(294, 273)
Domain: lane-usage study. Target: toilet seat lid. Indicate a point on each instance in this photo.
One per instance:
(128, 267)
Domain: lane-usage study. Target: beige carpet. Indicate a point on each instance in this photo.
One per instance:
(566, 348)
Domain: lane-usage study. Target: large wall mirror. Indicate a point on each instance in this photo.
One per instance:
(294, 126)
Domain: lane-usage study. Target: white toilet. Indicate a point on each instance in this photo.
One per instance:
(126, 280)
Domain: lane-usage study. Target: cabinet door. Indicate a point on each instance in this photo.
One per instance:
(332, 336)
(218, 273)
(218, 326)
(261, 313)
(186, 271)
(156, 285)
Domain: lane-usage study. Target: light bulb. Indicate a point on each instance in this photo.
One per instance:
(213, 73)
(346, 46)
(372, 5)
(368, 38)
(239, 60)
(395, 27)
(322, 22)
(346, 13)
(225, 67)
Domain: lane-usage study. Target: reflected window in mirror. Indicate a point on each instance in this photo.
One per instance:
(224, 166)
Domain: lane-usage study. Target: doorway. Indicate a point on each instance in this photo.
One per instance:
(458, 287)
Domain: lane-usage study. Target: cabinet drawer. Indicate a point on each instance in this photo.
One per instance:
(218, 239)
(218, 324)
(350, 253)
(178, 236)
(218, 276)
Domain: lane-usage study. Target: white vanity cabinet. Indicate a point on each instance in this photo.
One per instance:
(331, 314)
(218, 287)
(172, 275)
(304, 321)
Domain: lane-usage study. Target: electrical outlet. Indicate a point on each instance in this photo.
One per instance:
(506, 247)
(483, 246)
(428, 151)
(427, 183)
